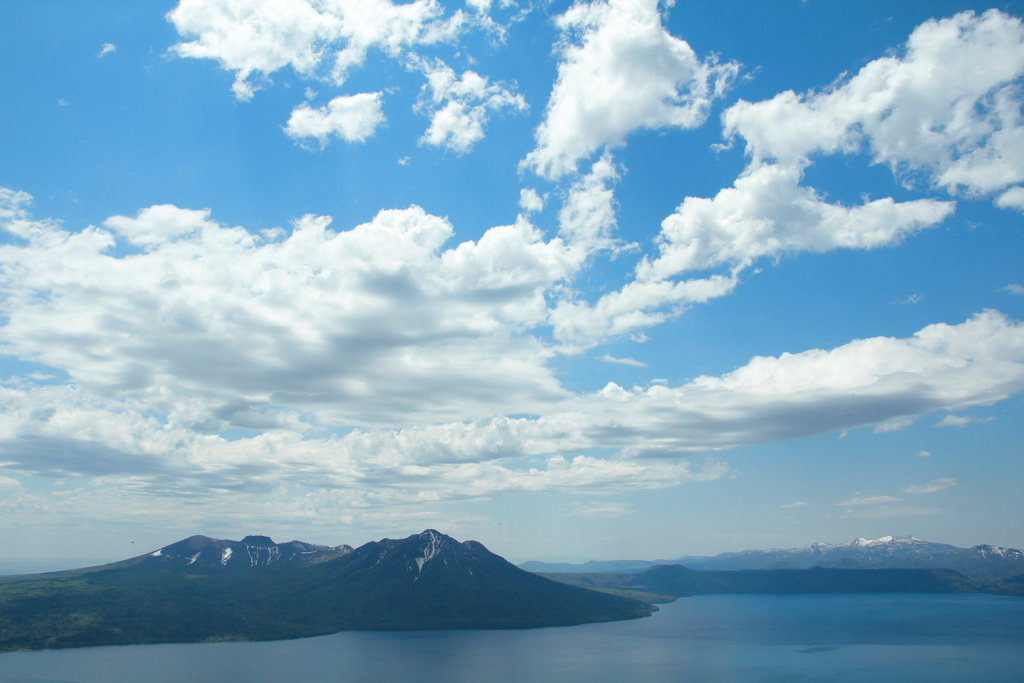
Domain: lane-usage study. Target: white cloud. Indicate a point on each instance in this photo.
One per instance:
(9, 484)
(1011, 199)
(422, 346)
(864, 382)
(623, 361)
(797, 504)
(353, 118)
(949, 107)
(106, 50)
(530, 201)
(961, 420)
(598, 509)
(587, 221)
(14, 207)
(927, 111)
(255, 38)
(923, 454)
(891, 511)
(479, 6)
(1014, 289)
(587, 216)
(160, 224)
(895, 425)
(216, 322)
(931, 487)
(869, 500)
(768, 213)
(460, 106)
(619, 71)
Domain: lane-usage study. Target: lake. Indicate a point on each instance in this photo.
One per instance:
(898, 637)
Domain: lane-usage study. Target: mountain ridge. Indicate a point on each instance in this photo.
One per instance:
(981, 562)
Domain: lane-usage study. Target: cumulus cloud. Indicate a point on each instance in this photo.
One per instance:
(926, 111)
(620, 71)
(768, 213)
(931, 487)
(412, 351)
(353, 118)
(460, 106)
(106, 50)
(255, 38)
(587, 221)
(222, 324)
(885, 109)
(1014, 289)
(530, 201)
(949, 106)
(1011, 199)
(160, 224)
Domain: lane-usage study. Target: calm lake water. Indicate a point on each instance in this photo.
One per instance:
(871, 638)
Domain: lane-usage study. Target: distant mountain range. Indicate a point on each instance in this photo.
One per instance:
(203, 589)
(984, 563)
(671, 581)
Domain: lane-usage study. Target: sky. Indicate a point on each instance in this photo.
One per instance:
(617, 279)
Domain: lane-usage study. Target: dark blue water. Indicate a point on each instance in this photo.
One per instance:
(873, 638)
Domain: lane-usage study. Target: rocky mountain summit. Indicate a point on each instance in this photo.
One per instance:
(201, 553)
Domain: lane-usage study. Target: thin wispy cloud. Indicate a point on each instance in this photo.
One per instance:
(961, 420)
(931, 487)
(868, 500)
(894, 511)
(598, 509)
(623, 361)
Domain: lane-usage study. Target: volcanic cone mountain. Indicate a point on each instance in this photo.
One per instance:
(426, 581)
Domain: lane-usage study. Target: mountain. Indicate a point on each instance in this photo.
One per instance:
(426, 581)
(985, 563)
(675, 580)
(201, 553)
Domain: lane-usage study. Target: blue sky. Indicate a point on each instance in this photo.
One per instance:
(588, 280)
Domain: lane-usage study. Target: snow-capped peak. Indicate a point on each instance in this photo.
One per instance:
(884, 540)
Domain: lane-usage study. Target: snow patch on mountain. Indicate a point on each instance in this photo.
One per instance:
(434, 545)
